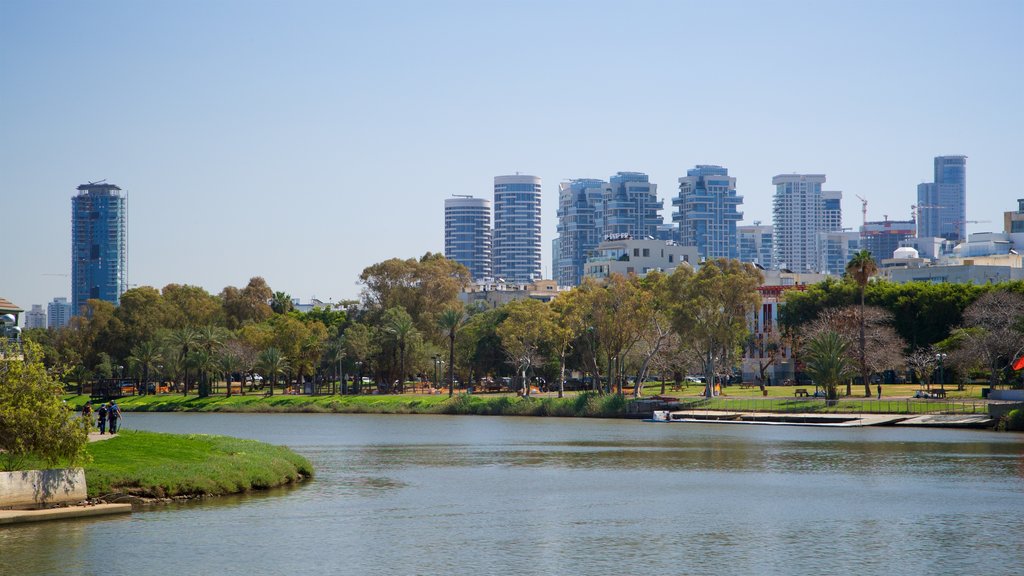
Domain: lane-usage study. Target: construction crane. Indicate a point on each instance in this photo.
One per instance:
(960, 223)
(915, 213)
(863, 208)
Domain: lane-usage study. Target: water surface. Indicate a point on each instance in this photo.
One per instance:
(474, 495)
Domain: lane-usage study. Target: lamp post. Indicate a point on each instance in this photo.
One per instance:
(940, 358)
(437, 359)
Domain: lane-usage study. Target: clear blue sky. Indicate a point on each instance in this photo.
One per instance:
(303, 141)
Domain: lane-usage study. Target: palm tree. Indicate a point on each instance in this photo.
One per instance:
(450, 321)
(182, 341)
(211, 339)
(228, 363)
(146, 356)
(861, 268)
(272, 363)
(402, 330)
(826, 362)
(281, 302)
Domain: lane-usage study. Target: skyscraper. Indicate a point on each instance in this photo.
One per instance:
(942, 204)
(630, 206)
(516, 240)
(467, 234)
(99, 250)
(755, 244)
(708, 214)
(797, 211)
(579, 213)
(58, 313)
(36, 317)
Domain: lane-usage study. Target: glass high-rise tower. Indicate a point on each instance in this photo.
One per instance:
(708, 211)
(942, 204)
(579, 214)
(798, 213)
(516, 239)
(99, 244)
(631, 206)
(467, 234)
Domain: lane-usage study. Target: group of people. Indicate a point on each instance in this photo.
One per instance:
(109, 413)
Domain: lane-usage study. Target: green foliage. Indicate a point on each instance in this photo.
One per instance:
(1014, 421)
(161, 465)
(34, 421)
(827, 363)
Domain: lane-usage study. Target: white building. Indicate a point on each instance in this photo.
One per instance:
(36, 317)
(494, 294)
(755, 244)
(621, 254)
(467, 234)
(798, 212)
(515, 249)
(58, 313)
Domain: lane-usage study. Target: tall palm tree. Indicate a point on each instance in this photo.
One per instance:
(402, 331)
(450, 321)
(273, 364)
(182, 341)
(281, 302)
(861, 268)
(826, 362)
(211, 340)
(228, 363)
(146, 357)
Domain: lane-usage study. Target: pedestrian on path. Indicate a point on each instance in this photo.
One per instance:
(101, 414)
(113, 415)
(87, 412)
(879, 390)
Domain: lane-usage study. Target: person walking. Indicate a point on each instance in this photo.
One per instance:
(879, 390)
(101, 414)
(87, 412)
(113, 415)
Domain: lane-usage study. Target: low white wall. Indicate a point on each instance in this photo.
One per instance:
(27, 488)
(1017, 395)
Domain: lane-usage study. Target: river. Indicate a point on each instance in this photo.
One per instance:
(398, 495)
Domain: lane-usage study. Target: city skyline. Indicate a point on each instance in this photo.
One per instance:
(277, 137)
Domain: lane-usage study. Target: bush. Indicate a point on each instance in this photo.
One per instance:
(1014, 421)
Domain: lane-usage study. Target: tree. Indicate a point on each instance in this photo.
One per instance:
(709, 310)
(827, 361)
(618, 319)
(146, 357)
(34, 421)
(424, 288)
(450, 321)
(190, 306)
(401, 331)
(992, 330)
(181, 342)
(248, 305)
(271, 364)
(883, 346)
(211, 339)
(281, 302)
(861, 268)
(526, 330)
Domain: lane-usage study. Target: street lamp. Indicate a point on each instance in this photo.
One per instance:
(940, 358)
(437, 359)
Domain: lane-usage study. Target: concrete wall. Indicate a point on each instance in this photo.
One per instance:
(29, 488)
(1017, 395)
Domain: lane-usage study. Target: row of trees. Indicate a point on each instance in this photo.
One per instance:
(409, 323)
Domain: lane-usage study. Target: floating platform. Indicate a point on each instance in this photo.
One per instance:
(827, 420)
(8, 517)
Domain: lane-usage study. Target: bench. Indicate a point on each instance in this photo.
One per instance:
(800, 392)
(938, 393)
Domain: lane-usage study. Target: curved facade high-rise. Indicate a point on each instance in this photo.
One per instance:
(579, 212)
(467, 234)
(99, 244)
(630, 206)
(708, 211)
(516, 239)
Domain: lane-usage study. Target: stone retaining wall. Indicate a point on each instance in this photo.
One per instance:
(32, 488)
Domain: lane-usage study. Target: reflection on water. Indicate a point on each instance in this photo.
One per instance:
(469, 495)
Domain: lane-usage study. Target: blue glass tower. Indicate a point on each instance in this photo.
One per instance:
(516, 249)
(99, 244)
(630, 206)
(708, 211)
(579, 211)
(467, 234)
(942, 204)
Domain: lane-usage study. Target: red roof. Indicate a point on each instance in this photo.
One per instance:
(6, 307)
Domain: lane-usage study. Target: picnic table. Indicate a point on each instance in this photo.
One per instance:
(800, 392)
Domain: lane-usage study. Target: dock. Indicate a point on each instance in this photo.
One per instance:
(8, 517)
(830, 420)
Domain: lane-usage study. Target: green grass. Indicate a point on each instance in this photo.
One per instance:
(590, 405)
(162, 465)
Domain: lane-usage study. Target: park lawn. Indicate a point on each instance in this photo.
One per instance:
(158, 465)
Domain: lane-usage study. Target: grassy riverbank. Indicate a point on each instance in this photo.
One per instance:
(156, 465)
(582, 405)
